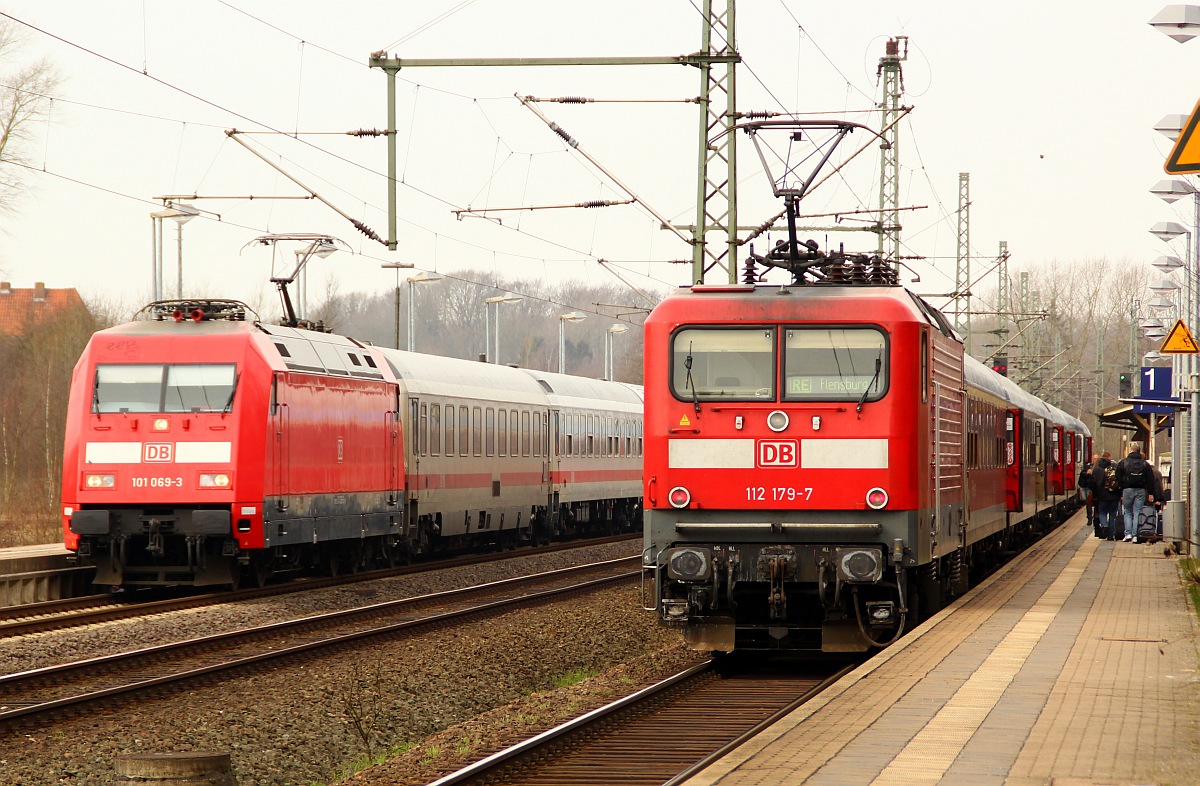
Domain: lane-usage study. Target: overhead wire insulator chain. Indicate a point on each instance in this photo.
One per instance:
(233, 134)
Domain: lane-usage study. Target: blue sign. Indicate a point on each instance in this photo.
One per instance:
(1155, 395)
(1156, 383)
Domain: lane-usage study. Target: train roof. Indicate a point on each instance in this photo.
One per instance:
(567, 390)
(982, 377)
(433, 374)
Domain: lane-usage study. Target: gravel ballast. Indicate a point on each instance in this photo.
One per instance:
(443, 695)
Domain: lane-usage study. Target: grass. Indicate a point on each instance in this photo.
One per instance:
(574, 677)
(1189, 567)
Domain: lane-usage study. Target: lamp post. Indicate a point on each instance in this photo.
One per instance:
(1180, 22)
(508, 297)
(610, 370)
(412, 282)
(319, 247)
(563, 319)
(397, 266)
(180, 213)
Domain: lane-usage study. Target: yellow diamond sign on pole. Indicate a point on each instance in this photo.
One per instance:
(1185, 156)
(1179, 341)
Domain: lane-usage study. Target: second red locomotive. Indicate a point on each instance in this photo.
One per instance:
(205, 448)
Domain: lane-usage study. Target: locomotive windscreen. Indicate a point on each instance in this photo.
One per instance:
(152, 387)
(723, 363)
(834, 364)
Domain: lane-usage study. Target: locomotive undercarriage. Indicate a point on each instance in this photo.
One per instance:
(842, 598)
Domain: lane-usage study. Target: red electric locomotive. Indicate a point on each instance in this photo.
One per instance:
(824, 463)
(203, 448)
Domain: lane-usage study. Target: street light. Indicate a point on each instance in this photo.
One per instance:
(1172, 190)
(1180, 22)
(397, 266)
(413, 280)
(180, 213)
(1167, 264)
(610, 371)
(508, 297)
(563, 319)
(1171, 126)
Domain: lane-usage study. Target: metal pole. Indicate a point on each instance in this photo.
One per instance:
(396, 342)
(411, 321)
(562, 342)
(179, 240)
(497, 336)
(487, 333)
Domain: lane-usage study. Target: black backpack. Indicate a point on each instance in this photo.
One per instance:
(1136, 472)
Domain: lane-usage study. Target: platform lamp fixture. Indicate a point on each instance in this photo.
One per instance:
(610, 365)
(507, 297)
(180, 213)
(1180, 22)
(412, 321)
(563, 319)
(397, 266)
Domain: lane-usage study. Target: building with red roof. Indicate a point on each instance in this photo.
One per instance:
(21, 309)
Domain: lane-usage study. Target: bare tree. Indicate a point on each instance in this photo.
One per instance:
(24, 101)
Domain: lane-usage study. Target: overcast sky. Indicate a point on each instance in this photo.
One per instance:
(1049, 106)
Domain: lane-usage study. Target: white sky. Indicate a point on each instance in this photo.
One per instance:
(1049, 106)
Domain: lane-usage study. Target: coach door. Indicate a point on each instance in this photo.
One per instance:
(391, 449)
(1037, 449)
(1014, 461)
(280, 447)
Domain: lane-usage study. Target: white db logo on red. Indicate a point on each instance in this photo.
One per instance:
(778, 453)
(158, 451)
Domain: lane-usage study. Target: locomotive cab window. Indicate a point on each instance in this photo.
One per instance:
(183, 387)
(723, 364)
(834, 364)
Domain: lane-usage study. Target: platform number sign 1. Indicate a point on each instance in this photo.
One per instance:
(1156, 383)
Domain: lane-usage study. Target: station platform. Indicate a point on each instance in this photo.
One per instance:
(1074, 665)
(30, 574)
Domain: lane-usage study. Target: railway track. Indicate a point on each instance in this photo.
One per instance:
(659, 735)
(32, 696)
(76, 612)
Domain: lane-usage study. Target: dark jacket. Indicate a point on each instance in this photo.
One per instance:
(1100, 493)
(1147, 473)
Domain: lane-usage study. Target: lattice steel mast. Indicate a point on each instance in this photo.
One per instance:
(889, 163)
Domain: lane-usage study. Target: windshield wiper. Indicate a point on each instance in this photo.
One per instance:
(96, 394)
(688, 383)
(229, 401)
(874, 379)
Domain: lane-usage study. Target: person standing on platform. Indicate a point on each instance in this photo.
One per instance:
(1137, 486)
(1106, 493)
(1085, 492)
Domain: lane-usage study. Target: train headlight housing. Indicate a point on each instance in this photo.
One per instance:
(858, 566)
(214, 480)
(679, 497)
(689, 563)
(876, 498)
(100, 481)
(778, 420)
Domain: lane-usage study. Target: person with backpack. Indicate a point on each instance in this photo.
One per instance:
(1106, 493)
(1137, 485)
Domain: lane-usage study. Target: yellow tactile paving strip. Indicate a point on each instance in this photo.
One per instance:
(1039, 676)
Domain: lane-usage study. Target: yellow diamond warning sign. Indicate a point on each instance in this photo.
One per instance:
(1185, 156)
(1179, 341)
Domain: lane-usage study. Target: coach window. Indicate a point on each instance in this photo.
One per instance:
(834, 364)
(435, 429)
(513, 444)
(525, 433)
(423, 431)
(502, 431)
(477, 430)
(723, 364)
(490, 430)
(537, 433)
(451, 434)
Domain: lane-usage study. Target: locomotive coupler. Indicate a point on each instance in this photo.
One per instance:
(154, 539)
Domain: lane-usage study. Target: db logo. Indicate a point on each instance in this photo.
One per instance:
(778, 453)
(158, 451)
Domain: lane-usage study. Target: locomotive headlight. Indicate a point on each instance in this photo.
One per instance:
(100, 481)
(777, 420)
(876, 498)
(679, 497)
(161, 424)
(689, 563)
(214, 480)
(858, 565)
